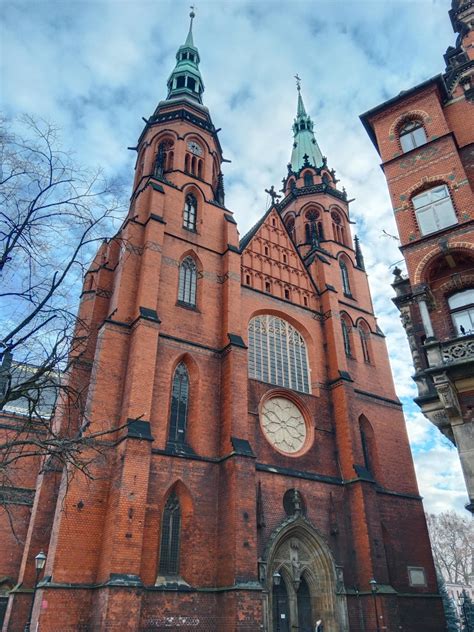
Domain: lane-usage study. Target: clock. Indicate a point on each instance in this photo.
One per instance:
(283, 425)
(194, 148)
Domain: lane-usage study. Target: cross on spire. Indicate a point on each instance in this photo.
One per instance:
(298, 82)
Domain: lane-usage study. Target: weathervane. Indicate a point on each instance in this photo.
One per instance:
(298, 82)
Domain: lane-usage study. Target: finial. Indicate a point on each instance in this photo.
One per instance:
(298, 82)
(192, 15)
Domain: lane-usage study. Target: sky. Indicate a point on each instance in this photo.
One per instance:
(95, 67)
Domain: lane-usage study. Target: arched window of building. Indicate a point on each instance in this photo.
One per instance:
(461, 306)
(170, 536)
(369, 449)
(346, 284)
(190, 212)
(277, 353)
(338, 227)
(292, 184)
(290, 226)
(164, 157)
(364, 341)
(308, 179)
(434, 209)
(268, 287)
(187, 282)
(412, 134)
(287, 294)
(199, 170)
(247, 279)
(307, 232)
(187, 159)
(346, 337)
(320, 231)
(179, 405)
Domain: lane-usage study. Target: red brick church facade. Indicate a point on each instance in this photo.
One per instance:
(264, 476)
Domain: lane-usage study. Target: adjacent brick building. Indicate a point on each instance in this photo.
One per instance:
(263, 475)
(425, 137)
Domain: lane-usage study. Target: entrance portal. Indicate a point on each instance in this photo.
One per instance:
(301, 581)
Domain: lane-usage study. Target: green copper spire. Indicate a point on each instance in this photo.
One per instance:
(305, 148)
(186, 80)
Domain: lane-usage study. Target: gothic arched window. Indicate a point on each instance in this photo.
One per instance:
(290, 226)
(190, 212)
(346, 337)
(170, 532)
(364, 342)
(346, 285)
(179, 404)
(187, 282)
(277, 353)
(308, 179)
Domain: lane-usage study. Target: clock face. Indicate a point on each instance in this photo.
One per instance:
(283, 425)
(194, 148)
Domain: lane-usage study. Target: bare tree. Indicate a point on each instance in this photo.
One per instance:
(52, 214)
(452, 538)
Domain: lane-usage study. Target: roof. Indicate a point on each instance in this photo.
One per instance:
(366, 116)
(246, 239)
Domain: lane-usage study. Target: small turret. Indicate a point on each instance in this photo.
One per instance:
(305, 151)
(186, 80)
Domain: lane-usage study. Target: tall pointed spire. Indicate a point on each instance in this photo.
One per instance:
(185, 80)
(305, 148)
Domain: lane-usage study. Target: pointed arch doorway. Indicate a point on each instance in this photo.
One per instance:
(301, 585)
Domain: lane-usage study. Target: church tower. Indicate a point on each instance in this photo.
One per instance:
(258, 475)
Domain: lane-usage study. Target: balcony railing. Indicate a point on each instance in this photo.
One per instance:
(449, 352)
(459, 349)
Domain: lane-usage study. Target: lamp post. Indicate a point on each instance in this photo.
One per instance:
(40, 561)
(373, 588)
(276, 578)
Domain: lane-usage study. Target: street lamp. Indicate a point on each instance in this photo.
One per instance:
(374, 589)
(276, 578)
(40, 561)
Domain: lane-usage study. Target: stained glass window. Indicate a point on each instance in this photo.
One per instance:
(277, 353)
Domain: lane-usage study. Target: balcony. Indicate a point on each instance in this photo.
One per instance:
(450, 354)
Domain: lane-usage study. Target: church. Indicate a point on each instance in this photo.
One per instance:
(260, 476)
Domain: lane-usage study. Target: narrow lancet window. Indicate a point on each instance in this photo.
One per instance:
(170, 531)
(190, 212)
(346, 285)
(187, 282)
(179, 404)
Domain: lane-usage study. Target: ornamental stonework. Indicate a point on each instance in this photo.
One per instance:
(283, 425)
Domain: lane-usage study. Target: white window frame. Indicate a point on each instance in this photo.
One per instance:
(412, 138)
(461, 307)
(434, 210)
